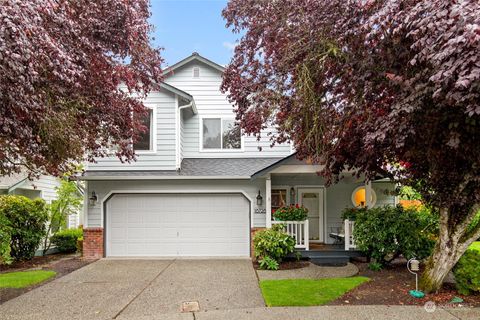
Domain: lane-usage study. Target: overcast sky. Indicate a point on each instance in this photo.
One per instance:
(186, 26)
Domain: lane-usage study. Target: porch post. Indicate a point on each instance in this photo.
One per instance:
(368, 194)
(268, 204)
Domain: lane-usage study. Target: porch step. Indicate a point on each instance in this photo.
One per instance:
(331, 256)
(330, 261)
(329, 253)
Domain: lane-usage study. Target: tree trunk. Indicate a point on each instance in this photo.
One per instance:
(449, 248)
(437, 268)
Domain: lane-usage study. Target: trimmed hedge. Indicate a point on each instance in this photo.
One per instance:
(66, 240)
(466, 271)
(5, 239)
(26, 220)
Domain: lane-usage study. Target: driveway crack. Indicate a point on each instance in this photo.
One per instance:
(144, 288)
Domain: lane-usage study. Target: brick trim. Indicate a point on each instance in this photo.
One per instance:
(93, 243)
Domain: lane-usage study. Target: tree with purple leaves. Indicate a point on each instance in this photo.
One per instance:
(61, 64)
(386, 87)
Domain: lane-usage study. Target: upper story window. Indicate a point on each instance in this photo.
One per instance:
(220, 134)
(145, 141)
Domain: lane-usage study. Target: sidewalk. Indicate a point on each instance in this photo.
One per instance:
(330, 312)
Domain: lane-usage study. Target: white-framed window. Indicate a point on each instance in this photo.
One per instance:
(220, 134)
(146, 140)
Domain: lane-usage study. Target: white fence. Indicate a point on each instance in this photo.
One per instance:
(298, 230)
(349, 241)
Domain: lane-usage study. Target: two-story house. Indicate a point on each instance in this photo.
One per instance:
(200, 187)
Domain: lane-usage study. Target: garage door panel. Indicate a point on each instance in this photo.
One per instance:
(178, 225)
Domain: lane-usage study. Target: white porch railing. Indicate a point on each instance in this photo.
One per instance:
(349, 241)
(298, 230)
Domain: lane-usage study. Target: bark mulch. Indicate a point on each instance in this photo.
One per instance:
(60, 263)
(390, 286)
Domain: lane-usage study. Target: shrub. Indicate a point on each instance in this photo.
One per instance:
(384, 233)
(291, 213)
(4, 241)
(26, 219)
(66, 240)
(466, 272)
(268, 263)
(273, 243)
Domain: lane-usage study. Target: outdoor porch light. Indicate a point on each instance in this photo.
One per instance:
(292, 195)
(93, 198)
(259, 199)
(413, 266)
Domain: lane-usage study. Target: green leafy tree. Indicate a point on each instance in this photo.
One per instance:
(69, 201)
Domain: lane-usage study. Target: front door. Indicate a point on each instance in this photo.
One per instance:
(312, 199)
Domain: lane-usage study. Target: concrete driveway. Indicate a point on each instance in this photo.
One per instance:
(136, 289)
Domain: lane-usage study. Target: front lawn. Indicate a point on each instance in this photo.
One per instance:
(24, 279)
(475, 246)
(306, 292)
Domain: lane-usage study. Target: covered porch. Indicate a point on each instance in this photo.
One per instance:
(293, 182)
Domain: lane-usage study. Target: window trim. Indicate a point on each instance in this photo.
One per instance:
(287, 193)
(374, 197)
(153, 130)
(242, 146)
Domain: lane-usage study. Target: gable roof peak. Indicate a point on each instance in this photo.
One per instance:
(195, 56)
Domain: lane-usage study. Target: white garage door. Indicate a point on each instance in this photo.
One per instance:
(178, 225)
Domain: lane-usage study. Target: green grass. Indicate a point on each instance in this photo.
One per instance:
(24, 279)
(475, 246)
(306, 292)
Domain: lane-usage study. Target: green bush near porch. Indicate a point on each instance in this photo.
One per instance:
(306, 292)
(272, 244)
(384, 233)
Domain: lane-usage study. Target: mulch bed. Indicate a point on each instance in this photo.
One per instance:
(390, 286)
(287, 265)
(60, 263)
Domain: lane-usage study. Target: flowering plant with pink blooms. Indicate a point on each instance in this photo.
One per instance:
(291, 213)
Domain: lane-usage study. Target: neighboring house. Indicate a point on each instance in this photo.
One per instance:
(199, 187)
(44, 187)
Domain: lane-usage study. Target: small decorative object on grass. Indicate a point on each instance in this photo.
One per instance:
(413, 265)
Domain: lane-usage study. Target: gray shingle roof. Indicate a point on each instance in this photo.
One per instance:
(205, 167)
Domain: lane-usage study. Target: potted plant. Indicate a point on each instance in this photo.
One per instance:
(291, 213)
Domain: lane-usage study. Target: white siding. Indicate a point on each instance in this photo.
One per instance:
(211, 102)
(164, 156)
(45, 185)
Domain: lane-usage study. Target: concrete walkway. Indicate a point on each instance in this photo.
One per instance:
(328, 313)
(312, 271)
(131, 289)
